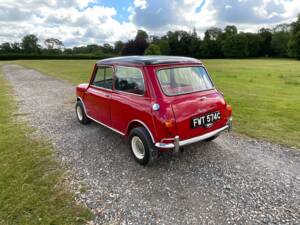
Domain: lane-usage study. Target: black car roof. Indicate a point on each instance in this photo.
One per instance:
(149, 60)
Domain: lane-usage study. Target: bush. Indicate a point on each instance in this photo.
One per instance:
(153, 49)
(49, 56)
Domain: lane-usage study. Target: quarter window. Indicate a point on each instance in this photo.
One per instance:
(103, 77)
(130, 79)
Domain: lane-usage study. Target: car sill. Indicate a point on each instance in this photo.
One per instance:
(119, 132)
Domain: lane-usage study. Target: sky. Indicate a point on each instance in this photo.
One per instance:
(82, 22)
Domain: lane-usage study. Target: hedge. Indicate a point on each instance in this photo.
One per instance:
(44, 56)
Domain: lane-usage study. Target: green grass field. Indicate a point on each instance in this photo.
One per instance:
(31, 181)
(265, 94)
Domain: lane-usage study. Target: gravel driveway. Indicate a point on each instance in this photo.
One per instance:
(232, 180)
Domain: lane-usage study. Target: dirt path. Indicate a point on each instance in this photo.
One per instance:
(232, 180)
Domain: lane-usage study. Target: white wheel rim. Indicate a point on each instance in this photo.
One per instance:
(79, 113)
(138, 147)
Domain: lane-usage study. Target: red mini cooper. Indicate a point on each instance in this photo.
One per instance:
(159, 102)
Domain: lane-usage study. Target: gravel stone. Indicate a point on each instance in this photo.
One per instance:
(232, 180)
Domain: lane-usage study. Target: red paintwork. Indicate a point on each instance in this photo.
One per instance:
(121, 111)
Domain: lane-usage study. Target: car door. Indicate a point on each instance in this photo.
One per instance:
(130, 100)
(98, 95)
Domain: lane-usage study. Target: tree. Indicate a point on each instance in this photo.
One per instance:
(213, 34)
(141, 42)
(68, 51)
(194, 45)
(179, 42)
(230, 30)
(294, 45)
(265, 41)
(16, 47)
(253, 44)
(280, 39)
(236, 46)
(118, 47)
(108, 49)
(30, 44)
(211, 49)
(129, 48)
(296, 26)
(5, 47)
(173, 39)
(93, 49)
(53, 43)
(136, 46)
(141, 34)
(164, 46)
(294, 41)
(211, 46)
(153, 49)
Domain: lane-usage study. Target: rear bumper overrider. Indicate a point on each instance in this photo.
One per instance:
(176, 143)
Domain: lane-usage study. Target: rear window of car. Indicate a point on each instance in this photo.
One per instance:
(183, 80)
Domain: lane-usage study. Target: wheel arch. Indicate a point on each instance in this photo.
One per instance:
(79, 99)
(137, 123)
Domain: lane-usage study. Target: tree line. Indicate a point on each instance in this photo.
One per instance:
(281, 41)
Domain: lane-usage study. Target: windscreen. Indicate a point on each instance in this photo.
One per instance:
(183, 80)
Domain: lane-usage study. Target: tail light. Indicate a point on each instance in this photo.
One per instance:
(169, 125)
(229, 110)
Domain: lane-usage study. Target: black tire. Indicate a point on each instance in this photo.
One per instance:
(150, 151)
(211, 138)
(83, 119)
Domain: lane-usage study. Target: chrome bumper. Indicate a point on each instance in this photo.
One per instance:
(177, 143)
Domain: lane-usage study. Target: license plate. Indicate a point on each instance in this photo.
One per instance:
(206, 120)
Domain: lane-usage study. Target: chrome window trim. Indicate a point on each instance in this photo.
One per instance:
(181, 66)
(94, 75)
(101, 88)
(116, 70)
(117, 91)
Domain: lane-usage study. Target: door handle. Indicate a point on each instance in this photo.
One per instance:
(107, 95)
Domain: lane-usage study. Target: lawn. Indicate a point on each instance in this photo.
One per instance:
(264, 93)
(32, 190)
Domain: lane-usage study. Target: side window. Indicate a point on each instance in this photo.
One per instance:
(130, 79)
(103, 77)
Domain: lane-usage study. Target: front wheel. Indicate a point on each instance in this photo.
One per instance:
(141, 146)
(80, 113)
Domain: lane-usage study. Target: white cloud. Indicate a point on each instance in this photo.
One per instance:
(70, 21)
(159, 16)
(184, 14)
(81, 22)
(140, 4)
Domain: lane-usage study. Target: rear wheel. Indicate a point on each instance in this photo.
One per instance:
(81, 116)
(141, 146)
